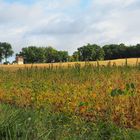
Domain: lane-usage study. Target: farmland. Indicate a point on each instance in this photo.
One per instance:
(71, 101)
(117, 62)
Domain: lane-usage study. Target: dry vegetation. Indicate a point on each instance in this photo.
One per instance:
(82, 101)
(118, 62)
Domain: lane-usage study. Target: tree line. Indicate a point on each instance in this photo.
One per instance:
(92, 52)
(89, 52)
(33, 54)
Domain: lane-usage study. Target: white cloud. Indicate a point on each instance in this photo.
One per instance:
(66, 24)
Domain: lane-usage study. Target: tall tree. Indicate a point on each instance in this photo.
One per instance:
(1, 54)
(76, 56)
(90, 52)
(62, 56)
(30, 54)
(50, 54)
(5, 51)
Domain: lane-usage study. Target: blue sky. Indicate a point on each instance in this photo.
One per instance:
(69, 24)
(21, 1)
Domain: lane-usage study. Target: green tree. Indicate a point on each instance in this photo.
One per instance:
(5, 51)
(50, 55)
(33, 54)
(114, 51)
(1, 54)
(29, 54)
(90, 53)
(62, 56)
(76, 56)
(111, 51)
(40, 55)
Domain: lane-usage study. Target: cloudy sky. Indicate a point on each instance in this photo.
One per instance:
(68, 24)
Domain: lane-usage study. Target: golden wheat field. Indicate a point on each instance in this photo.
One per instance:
(118, 62)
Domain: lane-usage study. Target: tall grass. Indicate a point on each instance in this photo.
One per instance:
(78, 102)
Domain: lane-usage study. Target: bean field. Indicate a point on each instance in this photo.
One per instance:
(77, 102)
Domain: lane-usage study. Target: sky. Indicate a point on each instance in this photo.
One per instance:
(69, 24)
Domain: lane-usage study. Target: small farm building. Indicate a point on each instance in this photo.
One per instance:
(19, 60)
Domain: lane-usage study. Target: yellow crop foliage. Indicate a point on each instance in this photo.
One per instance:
(110, 94)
